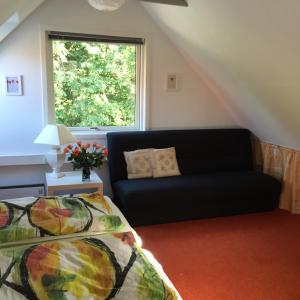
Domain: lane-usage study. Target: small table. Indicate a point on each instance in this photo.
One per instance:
(72, 181)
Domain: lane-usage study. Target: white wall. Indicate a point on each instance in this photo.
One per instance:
(21, 118)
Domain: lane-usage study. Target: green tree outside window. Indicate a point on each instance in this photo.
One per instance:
(94, 83)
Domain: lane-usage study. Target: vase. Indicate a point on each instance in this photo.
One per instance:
(86, 174)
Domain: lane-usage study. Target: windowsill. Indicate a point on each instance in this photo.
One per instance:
(89, 134)
(22, 159)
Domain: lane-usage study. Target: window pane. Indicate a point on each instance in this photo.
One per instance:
(94, 83)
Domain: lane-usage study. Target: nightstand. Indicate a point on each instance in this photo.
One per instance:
(72, 181)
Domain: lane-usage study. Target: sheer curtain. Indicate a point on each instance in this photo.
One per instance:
(284, 164)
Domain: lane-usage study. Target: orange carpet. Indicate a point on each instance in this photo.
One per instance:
(255, 256)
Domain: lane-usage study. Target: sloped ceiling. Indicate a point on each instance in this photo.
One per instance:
(7, 8)
(13, 13)
(248, 52)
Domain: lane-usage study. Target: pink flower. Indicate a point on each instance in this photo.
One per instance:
(78, 143)
(66, 150)
(86, 146)
(98, 146)
(105, 152)
(94, 144)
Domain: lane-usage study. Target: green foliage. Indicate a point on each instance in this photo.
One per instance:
(94, 83)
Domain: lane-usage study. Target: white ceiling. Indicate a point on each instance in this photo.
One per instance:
(248, 52)
(8, 8)
(13, 13)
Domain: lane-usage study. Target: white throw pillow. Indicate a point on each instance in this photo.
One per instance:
(165, 162)
(139, 163)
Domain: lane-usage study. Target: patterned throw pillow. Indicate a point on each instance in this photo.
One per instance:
(139, 163)
(165, 162)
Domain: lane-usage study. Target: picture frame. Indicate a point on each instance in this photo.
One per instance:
(172, 82)
(13, 85)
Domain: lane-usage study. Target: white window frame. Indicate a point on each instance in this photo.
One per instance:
(48, 92)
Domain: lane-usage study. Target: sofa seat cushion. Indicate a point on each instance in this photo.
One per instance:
(160, 200)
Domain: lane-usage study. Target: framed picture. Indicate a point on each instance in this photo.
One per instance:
(172, 83)
(13, 86)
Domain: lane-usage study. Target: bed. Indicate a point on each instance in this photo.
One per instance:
(75, 247)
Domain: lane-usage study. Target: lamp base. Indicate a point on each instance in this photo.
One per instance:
(55, 174)
(56, 159)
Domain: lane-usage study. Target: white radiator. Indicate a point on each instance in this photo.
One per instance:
(11, 192)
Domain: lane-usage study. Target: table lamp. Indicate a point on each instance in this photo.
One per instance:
(55, 136)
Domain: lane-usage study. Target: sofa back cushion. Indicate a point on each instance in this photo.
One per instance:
(198, 150)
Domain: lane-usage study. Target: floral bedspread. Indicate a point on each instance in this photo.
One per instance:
(107, 266)
(28, 218)
(74, 247)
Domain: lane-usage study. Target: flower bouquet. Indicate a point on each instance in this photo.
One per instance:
(86, 156)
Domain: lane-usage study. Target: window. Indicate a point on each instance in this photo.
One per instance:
(96, 81)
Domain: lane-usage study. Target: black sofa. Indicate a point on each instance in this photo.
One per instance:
(217, 177)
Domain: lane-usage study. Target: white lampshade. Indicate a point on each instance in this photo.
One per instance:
(55, 135)
(106, 5)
